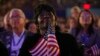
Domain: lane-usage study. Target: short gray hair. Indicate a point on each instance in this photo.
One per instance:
(18, 12)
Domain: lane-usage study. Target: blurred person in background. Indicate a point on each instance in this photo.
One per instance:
(2, 29)
(74, 15)
(51, 42)
(61, 24)
(71, 24)
(18, 41)
(31, 26)
(87, 36)
(98, 23)
(6, 21)
(98, 26)
(3, 49)
(75, 12)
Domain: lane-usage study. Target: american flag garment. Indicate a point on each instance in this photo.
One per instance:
(47, 46)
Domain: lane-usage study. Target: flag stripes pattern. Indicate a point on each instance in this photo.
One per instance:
(48, 45)
(95, 50)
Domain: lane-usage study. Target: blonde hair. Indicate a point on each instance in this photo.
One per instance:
(76, 8)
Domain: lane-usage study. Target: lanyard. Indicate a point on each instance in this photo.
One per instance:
(19, 40)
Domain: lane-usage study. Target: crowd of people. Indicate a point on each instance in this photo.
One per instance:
(48, 35)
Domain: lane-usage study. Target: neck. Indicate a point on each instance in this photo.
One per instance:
(85, 29)
(18, 31)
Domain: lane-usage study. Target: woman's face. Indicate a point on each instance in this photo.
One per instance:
(85, 19)
(44, 19)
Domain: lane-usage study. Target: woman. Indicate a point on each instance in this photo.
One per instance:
(65, 44)
(86, 34)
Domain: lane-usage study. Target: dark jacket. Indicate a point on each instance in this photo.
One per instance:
(6, 38)
(3, 50)
(67, 43)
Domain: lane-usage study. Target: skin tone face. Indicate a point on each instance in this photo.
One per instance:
(44, 19)
(85, 19)
(17, 22)
(62, 27)
(72, 23)
(33, 28)
(75, 13)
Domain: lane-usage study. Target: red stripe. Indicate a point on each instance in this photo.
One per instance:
(52, 41)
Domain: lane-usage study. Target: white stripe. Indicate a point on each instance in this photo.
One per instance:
(96, 50)
(52, 39)
(45, 53)
(57, 52)
(48, 50)
(93, 49)
(51, 54)
(51, 35)
(39, 50)
(52, 43)
(44, 50)
(34, 49)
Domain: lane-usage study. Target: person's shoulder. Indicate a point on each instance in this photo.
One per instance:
(3, 50)
(32, 36)
(68, 36)
(97, 32)
(6, 32)
(65, 36)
